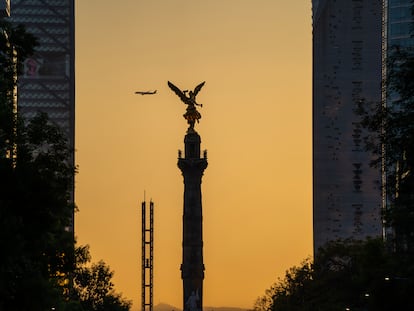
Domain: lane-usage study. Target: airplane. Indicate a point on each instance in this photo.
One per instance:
(146, 93)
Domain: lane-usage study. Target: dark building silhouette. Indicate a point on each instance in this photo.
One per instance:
(48, 80)
(192, 167)
(398, 36)
(347, 68)
(4, 8)
(352, 41)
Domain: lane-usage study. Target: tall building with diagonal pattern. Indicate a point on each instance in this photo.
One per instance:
(47, 83)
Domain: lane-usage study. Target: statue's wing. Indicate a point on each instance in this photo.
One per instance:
(177, 91)
(198, 88)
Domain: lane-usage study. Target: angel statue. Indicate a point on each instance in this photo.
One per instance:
(191, 115)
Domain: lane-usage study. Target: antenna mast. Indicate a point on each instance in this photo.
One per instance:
(147, 263)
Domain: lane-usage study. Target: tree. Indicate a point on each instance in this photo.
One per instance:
(39, 267)
(35, 218)
(348, 272)
(399, 139)
(93, 285)
(289, 293)
(359, 275)
(35, 211)
(15, 46)
(391, 138)
(39, 260)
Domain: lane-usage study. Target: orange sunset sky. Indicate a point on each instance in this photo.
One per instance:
(255, 56)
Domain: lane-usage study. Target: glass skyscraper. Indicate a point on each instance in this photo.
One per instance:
(352, 41)
(48, 81)
(399, 23)
(347, 70)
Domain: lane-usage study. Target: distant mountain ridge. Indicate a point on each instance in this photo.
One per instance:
(167, 307)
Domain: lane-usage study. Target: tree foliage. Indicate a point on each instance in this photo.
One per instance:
(35, 211)
(391, 138)
(15, 46)
(390, 126)
(93, 285)
(35, 218)
(358, 275)
(39, 267)
(371, 274)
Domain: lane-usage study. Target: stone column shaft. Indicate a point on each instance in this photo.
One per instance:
(192, 267)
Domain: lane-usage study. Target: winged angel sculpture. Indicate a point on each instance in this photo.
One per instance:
(191, 115)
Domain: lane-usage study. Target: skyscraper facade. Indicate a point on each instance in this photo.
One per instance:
(48, 80)
(397, 40)
(347, 70)
(399, 23)
(4, 8)
(47, 83)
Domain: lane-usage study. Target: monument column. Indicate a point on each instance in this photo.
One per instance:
(192, 167)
